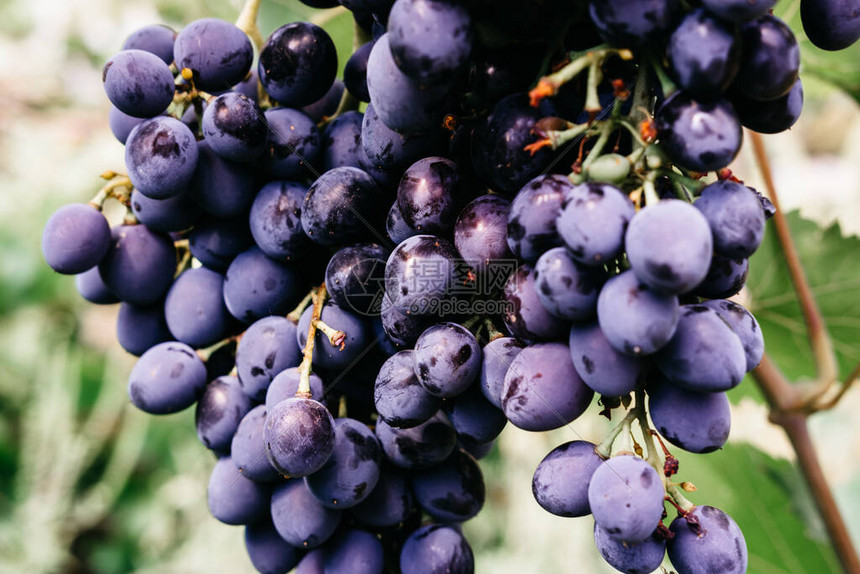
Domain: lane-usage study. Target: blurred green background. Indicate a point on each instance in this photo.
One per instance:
(89, 484)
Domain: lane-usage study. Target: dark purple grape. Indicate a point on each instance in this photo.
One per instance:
(389, 151)
(631, 23)
(342, 141)
(121, 123)
(326, 106)
(498, 144)
(431, 40)
(216, 242)
(704, 54)
(420, 275)
(138, 83)
(566, 288)
(560, 483)
(194, 308)
(286, 383)
(745, 327)
(389, 504)
(593, 219)
(355, 73)
(771, 116)
(498, 355)
(696, 422)
(355, 277)
(428, 195)
(735, 217)
(156, 39)
(326, 354)
(698, 135)
(235, 128)
(635, 319)
(770, 61)
(542, 388)
(161, 157)
(175, 213)
(247, 448)
(626, 498)
(631, 558)
(353, 469)
(138, 268)
(221, 188)
(92, 288)
(725, 278)
(275, 220)
(219, 412)
(217, 52)
(299, 517)
(166, 379)
(739, 10)
(266, 348)
(402, 104)
(831, 24)
(299, 436)
(476, 420)
(298, 64)
(419, 447)
(481, 235)
(295, 144)
(669, 246)
(600, 365)
(269, 553)
(437, 548)
(76, 238)
(234, 499)
(342, 206)
(256, 286)
(533, 214)
(351, 552)
(525, 317)
(704, 354)
(396, 228)
(447, 359)
(398, 396)
(498, 71)
(712, 542)
(452, 491)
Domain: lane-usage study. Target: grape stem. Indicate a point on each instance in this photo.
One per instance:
(318, 296)
(247, 22)
(549, 85)
(118, 187)
(790, 405)
(296, 313)
(492, 332)
(334, 336)
(604, 449)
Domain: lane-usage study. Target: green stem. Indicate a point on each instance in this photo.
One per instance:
(492, 332)
(296, 313)
(604, 449)
(247, 22)
(334, 336)
(642, 98)
(651, 196)
(304, 390)
(595, 76)
(597, 148)
(666, 84)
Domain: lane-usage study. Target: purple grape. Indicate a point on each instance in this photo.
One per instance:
(155, 38)
(600, 365)
(437, 548)
(735, 217)
(138, 268)
(704, 354)
(327, 105)
(353, 469)
(138, 83)
(299, 436)
(770, 60)
(217, 52)
(216, 242)
(420, 274)
(560, 483)
(525, 317)
(234, 126)
(342, 206)
(220, 187)
(299, 517)
(830, 24)
(353, 552)
(295, 144)
(566, 288)
(355, 277)
(428, 195)
(389, 151)
(298, 64)
(739, 10)
(447, 358)
(327, 355)
(121, 123)
(269, 553)
(194, 308)
(704, 53)
(256, 286)
(219, 412)
(175, 213)
(234, 499)
(481, 234)
(533, 214)
(286, 383)
(92, 288)
(355, 73)
(542, 389)
(715, 543)
(275, 220)
(398, 396)
(166, 379)
(161, 157)
(75, 239)
(452, 491)
(631, 23)
(669, 246)
(247, 448)
(626, 498)
(631, 558)
(342, 141)
(267, 348)
(725, 278)
(771, 116)
(498, 355)
(419, 447)
(389, 504)
(476, 420)
(696, 422)
(745, 327)
(593, 220)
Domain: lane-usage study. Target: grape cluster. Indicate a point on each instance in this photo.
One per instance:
(357, 302)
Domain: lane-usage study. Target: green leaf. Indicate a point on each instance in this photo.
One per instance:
(769, 501)
(830, 262)
(840, 69)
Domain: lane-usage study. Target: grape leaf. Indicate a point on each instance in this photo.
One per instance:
(830, 263)
(769, 501)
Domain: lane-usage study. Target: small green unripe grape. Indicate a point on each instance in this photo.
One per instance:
(655, 157)
(611, 168)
